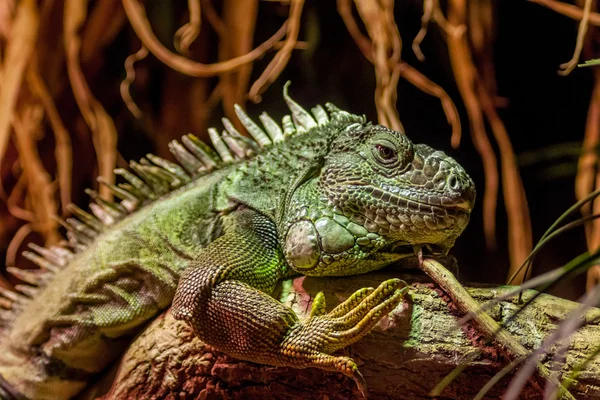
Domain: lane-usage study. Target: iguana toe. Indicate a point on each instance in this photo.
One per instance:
(310, 343)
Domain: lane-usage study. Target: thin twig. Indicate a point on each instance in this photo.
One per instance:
(427, 14)
(18, 50)
(586, 166)
(278, 63)
(213, 19)
(186, 35)
(39, 184)
(104, 133)
(593, 273)
(364, 44)
(449, 28)
(137, 17)
(15, 243)
(568, 10)
(464, 73)
(300, 45)
(63, 152)
(7, 9)
(104, 23)
(403, 69)
(15, 197)
(129, 79)
(467, 305)
(386, 46)
(240, 18)
(517, 211)
(588, 177)
(592, 278)
(211, 102)
(426, 85)
(566, 68)
(481, 33)
(592, 129)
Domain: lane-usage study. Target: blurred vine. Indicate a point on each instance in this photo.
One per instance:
(48, 87)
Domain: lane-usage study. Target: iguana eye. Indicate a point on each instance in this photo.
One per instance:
(385, 153)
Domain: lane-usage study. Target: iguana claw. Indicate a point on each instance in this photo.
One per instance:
(310, 343)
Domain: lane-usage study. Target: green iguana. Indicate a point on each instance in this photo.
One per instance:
(326, 193)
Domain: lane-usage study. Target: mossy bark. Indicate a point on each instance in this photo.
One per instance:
(407, 354)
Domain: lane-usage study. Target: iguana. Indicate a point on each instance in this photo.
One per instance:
(325, 193)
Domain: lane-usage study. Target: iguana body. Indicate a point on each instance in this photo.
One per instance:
(332, 195)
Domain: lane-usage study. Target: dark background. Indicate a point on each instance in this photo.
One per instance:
(542, 108)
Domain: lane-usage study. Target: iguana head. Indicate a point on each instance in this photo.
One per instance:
(407, 192)
(380, 197)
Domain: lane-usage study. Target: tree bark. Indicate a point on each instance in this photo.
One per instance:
(405, 356)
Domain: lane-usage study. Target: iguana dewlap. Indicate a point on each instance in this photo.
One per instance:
(323, 194)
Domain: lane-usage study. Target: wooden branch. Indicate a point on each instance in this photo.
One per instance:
(405, 356)
(508, 345)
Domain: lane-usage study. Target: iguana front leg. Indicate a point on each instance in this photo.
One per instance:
(225, 297)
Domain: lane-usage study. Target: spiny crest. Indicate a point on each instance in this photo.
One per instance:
(153, 177)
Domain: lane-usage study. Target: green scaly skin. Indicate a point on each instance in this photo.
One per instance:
(335, 197)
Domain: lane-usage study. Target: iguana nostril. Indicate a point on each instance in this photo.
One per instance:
(454, 183)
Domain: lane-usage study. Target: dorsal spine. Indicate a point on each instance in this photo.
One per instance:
(150, 179)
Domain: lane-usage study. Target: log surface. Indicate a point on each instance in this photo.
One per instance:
(404, 357)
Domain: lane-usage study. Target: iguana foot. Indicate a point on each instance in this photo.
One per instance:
(310, 343)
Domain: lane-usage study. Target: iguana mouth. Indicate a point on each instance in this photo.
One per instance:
(465, 207)
(462, 206)
(392, 196)
(413, 249)
(438, 203)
